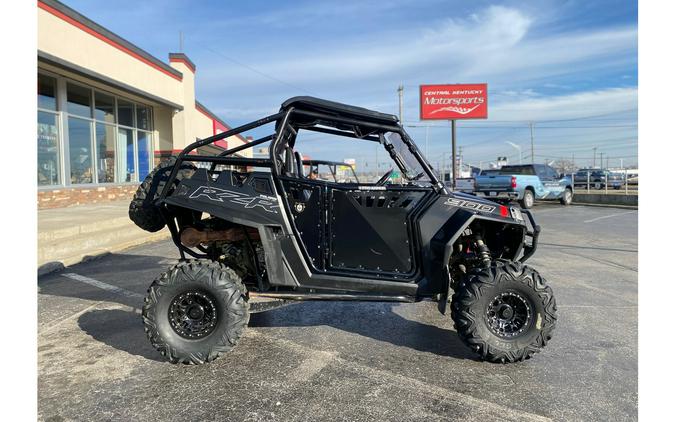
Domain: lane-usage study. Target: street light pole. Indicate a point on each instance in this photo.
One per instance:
(520, 151)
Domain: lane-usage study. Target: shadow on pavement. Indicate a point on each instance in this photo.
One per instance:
(123, 329)
(120, 329)
(376, 320)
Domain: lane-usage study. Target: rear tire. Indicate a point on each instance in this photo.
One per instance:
(142, 209)
(528, 199)
(566, 198)
(504, 313)
(195, 312)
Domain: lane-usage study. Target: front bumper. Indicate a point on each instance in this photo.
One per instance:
(533, 234)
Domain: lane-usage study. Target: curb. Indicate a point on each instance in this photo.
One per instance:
(55, 266)
(626, 207)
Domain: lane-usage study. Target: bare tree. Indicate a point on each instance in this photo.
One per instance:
(563, 166)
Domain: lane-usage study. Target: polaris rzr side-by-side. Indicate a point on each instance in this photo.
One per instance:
(257, 233)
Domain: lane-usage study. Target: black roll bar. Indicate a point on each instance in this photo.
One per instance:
(210, 140)
(223, 158)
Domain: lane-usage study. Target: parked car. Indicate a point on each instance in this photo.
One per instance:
(597, 179)
(525, 183)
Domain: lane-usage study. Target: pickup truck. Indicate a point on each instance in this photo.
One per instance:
(524, 183)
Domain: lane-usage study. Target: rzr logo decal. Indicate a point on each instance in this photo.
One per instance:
(454, 202)
(267, 203)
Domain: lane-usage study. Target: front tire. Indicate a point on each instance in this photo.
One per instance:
(195, 312)
(504, 313)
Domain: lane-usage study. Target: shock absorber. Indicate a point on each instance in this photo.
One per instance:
(483, 251)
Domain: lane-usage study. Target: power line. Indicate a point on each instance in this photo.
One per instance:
(252, 69)
(526, 122)
(581, 158)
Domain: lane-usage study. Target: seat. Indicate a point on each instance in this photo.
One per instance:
(298, 162)
(290, 168)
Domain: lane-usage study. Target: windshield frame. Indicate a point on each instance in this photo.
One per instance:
(406, 156)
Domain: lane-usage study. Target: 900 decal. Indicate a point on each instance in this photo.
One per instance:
(462, 203)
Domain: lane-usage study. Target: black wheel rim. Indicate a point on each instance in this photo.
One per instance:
(508, 315)
(193, 315)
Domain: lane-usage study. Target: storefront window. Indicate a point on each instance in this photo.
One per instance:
(105, 107)
(95, 137)
(79, 100)
(143, 117)
(105, 153)
(144, 154)
(46, 92)
(125, 113)
(125, 154)
(79, 145)
(48, 149)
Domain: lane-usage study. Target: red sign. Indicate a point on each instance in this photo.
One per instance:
(450, 102)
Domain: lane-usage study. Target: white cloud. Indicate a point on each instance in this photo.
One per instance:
(494, 45)
(582, 104)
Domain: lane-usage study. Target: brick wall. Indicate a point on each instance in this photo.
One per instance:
(60, 198)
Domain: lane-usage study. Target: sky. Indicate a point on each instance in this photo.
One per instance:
(567, 67)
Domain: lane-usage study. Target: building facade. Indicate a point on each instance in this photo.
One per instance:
(108, 111)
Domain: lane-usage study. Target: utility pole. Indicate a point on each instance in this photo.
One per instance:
(400, 103)
(601, 159)
(607, 166)
(454, 154)
(594, 148)
(532, 142)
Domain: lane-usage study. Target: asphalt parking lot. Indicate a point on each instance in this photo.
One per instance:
(346, 360)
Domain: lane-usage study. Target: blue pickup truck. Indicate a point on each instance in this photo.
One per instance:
(524, 183)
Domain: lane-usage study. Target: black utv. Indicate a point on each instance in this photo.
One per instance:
(257, 233)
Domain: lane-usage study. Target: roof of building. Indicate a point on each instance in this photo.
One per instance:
(61, 10)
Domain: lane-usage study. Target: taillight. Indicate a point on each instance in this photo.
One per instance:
(513, 181)
(503, 211)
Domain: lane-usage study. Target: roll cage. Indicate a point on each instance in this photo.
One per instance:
(311, 114)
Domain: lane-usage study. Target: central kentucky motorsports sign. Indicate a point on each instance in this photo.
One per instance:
(453, 102)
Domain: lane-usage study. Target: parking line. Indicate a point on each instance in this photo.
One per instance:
(103, 286)
(609, 216)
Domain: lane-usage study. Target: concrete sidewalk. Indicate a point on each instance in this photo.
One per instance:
(67, 236)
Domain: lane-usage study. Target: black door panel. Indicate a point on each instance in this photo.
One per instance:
(305, 203)
(370, 230)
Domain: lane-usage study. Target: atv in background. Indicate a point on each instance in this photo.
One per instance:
(257, 233)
